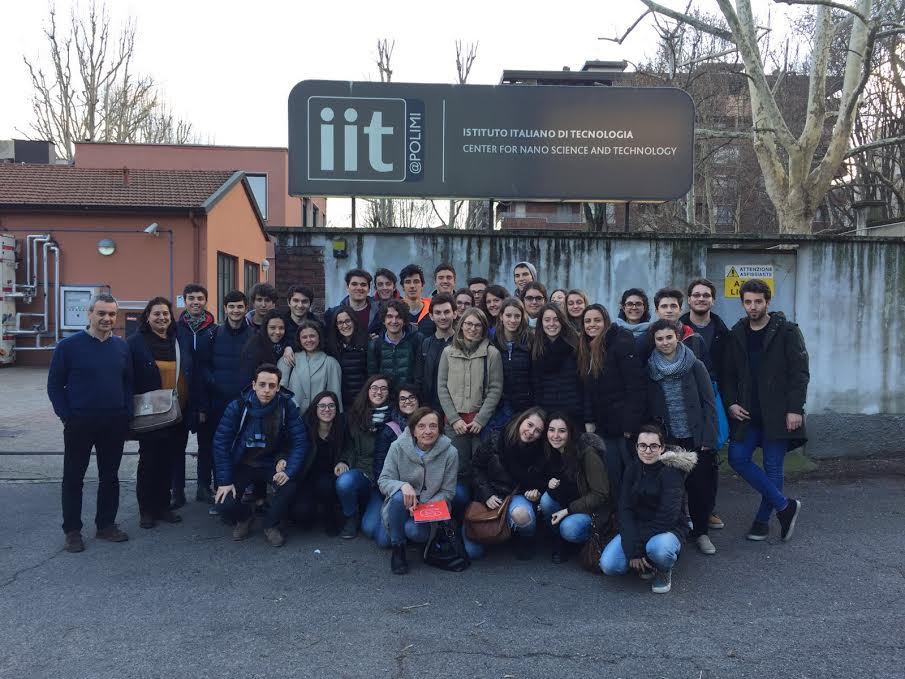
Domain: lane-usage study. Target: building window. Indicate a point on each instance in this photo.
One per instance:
(725, 215)
(252, 275)
(305, 202)
(258, 184)
(314, 213)
(227, 267)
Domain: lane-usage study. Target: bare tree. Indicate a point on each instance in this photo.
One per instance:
(799, 169)
(89, 92)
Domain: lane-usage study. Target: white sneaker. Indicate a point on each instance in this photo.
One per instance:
(705, 545)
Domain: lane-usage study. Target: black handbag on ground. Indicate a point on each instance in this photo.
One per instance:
(445, 549)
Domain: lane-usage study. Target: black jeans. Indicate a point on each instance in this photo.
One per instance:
(234, 510)
(106, 435)
(317, 491)
(205, 435)
(158, 452)
(700, 486)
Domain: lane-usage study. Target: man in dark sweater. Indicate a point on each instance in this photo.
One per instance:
(90, 387)
(764, 387)
(427, 358)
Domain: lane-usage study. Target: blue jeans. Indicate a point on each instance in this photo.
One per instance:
(574, 528)
(353, 489)
(476, 550)
(371, 521)
(662, 551)
(401, 524)
(767, 481)
(460, 500)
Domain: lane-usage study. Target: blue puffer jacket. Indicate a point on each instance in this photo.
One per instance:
(220, 363)
(291, 444)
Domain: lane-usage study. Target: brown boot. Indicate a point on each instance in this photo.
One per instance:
(112, 533)
(74, 543)
(146, 520)
(242, 528)
(274, 536)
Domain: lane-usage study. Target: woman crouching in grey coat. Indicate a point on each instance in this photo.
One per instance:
(421, 466)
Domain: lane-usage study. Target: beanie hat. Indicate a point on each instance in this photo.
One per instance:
(530, 268)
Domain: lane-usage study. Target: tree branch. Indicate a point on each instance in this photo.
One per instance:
(880, 143)
(631, 28)
(702, 26)
(826, 3)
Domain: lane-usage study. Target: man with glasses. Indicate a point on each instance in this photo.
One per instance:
(714, 333)
(535, 296)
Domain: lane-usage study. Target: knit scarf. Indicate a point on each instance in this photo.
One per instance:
(470, 345)
(195, 324)
(637, 329)
(660, 368)
(255, 431)
(380, 415)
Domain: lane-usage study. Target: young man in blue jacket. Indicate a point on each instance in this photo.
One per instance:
(256, 431)
(90, 387)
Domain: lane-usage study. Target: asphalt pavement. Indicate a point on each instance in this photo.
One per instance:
(186, 601)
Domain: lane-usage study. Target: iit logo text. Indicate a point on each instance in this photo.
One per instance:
(365, 139)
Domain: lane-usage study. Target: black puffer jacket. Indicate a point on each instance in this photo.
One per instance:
(555, 380)
(427, 364)
(616, 400)
(353, 363)
(499, 468)
(517, 385)
(653, 500)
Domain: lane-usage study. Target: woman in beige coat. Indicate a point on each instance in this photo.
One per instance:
(469, 387)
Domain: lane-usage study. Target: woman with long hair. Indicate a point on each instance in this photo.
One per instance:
(160, 361)
(576, 303)
(513, 339)
(558, 297)
(314, 371)
(347, 342)
(652, 519)
(265, 346)
(634, 313)
(615, 387)
(680, 397)
(513, 463)
(405, 403)
(582, 488)
(554, 355)
(469, 387)
(316, 494)
(493, 299)
(354, 470)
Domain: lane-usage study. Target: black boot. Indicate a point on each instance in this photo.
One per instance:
(523, 545)
(398, 563)
(350, 528)
(559, 552)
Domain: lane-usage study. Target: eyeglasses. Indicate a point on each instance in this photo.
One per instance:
(326, 406)
(633, 305)
(378, 390)
(344, 323)
(408, 399)
(653, 447)
(472, 326)
(533, 298)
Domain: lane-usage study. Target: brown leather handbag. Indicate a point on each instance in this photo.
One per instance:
(602, 531)
(488, 526)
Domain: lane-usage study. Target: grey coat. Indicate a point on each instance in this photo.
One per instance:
(311, 376)
(433, 478)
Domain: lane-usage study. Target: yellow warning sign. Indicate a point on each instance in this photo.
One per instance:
(736, 274)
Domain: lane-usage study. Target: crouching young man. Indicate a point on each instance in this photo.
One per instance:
(258, 429)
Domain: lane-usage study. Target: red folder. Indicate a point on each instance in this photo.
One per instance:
(431, 511)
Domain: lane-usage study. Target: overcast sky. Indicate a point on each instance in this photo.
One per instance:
(228, 66)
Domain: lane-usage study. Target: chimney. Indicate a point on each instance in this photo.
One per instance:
(125, 176)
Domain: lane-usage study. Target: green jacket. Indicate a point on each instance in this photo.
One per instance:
(396, 361)
(593, 480)
(782, 381)
(358, 451)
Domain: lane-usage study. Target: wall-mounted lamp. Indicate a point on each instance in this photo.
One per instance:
(106, 246)
(265, 265)
(151, 229)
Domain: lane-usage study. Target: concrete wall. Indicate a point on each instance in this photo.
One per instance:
(849, 300)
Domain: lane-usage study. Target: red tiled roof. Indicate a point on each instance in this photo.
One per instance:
(68, 186)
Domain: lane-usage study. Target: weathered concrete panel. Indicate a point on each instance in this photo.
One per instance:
(849, 301)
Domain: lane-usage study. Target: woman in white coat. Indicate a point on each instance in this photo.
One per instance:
(314, 370)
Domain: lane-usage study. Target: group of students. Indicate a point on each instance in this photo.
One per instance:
(471, 394)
